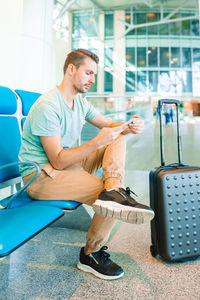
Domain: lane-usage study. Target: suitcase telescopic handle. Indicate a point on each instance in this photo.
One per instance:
(177, 103)
(169, 101)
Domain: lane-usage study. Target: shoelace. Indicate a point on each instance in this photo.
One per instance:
(128, 192)
(104, 256)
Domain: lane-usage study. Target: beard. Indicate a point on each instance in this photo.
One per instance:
(80, 89)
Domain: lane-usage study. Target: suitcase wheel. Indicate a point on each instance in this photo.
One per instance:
(153, 251)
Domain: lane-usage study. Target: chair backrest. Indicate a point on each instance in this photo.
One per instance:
(10, 137)
(27, 100)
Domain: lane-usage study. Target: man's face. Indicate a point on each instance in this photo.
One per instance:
(84, 76)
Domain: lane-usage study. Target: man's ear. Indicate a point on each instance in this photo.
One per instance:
(70, 69)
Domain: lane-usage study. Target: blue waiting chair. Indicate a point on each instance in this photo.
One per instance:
(11, 139)
(17, 225)
(27, 100)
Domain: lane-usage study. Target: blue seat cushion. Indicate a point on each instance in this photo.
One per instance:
(20, 224)
(23, 199)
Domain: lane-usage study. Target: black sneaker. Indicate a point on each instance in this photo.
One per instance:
(120, 205)
(99, 264)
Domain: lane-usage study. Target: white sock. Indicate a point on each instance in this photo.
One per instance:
(113, 189)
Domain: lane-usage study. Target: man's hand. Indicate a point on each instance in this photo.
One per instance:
(137, 126)
(63, 158)
(107, 135)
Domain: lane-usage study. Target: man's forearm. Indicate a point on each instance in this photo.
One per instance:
(69, 157)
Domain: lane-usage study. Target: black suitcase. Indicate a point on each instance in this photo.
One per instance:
(175, 199)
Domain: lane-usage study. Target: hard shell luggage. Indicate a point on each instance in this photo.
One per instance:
(175, 199)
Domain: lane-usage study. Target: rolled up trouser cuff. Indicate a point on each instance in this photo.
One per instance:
(116, 175)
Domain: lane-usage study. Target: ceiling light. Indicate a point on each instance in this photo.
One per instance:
(128, 17)
(128, 57)
(150, 15)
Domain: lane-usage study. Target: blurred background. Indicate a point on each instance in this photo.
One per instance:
(148, 49)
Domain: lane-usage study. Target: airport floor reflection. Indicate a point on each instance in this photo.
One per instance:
(145, 153)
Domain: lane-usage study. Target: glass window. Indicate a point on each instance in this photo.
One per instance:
(195, 27)
(175, 82)
(108, 69)
(153, 81)
(141, 81)
(186, 57)
(152, 56)
(76, 31)
(196, 55)
(130, 81)
(152, 17)
(141, 57)
(141, 19)
(177, 78)
(175, 57)
(186, 27)
(130, 57)
(92, 25)
(187, 84)
(196, 72)
(164, 28)
(164, 57)
(108, 81)
(128, 20)
(93, 87)
(109, 24)
(175, 27)
(84, 25)
(108, 58)
(184, 78)
(164, 81)
(196, 83)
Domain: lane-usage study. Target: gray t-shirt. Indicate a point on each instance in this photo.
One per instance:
(49, 116)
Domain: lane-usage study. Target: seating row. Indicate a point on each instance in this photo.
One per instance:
(21, 218)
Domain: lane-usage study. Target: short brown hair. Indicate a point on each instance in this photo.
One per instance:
(77, 58)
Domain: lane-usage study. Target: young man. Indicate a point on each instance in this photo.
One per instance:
(50, 133)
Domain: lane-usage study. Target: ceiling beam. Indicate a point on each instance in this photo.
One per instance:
(148, 3)
(96, 4)
(65, 8)
(176, 9)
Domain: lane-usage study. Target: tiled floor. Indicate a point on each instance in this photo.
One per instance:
(45, 267)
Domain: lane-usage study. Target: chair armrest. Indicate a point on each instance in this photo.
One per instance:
(38, 170)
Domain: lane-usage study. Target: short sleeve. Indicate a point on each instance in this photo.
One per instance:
(91, 111)
(44, 120)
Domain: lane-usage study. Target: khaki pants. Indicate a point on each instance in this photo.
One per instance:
(78, 183)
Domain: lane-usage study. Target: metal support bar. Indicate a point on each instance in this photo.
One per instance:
(148, 3)
(65, 7)
(175, 10)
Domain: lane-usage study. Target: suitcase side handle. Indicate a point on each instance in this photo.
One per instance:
(177, 103)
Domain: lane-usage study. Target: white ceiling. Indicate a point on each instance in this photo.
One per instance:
(72, 5)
